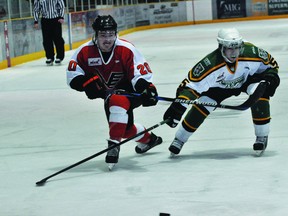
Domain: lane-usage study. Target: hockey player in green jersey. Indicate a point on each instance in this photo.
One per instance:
(234, 67)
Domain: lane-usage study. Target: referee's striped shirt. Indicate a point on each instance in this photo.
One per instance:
(49, 9)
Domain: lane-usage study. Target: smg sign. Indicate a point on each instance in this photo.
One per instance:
(231, 9)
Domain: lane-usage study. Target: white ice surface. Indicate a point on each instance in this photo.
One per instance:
(45, 127)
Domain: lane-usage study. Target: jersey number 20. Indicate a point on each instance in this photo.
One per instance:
(144, 68)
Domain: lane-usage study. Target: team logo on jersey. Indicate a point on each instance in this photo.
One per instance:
(207, 62)
(113, 79)
(235, 83)
(220, 77)
(94, 61)
(253, 50)
(263, 54)
(198, 70)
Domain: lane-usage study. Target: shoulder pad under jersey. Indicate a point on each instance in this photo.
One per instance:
(207, 65)
(252, 53)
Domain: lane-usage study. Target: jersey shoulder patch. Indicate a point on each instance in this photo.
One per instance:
(253, 53)
(207, 65)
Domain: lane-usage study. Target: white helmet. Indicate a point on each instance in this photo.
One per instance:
(229, 38)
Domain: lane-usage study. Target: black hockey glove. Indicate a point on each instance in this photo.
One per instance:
(149, 96)
(174, 113)
(273, 82)
(148, 92)
(93, 88)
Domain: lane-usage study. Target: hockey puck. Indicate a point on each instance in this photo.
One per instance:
(164, 214)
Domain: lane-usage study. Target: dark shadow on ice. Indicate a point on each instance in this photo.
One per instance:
(221, 154)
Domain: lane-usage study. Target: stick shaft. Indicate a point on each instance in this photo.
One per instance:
(101, 152)
(247, 104)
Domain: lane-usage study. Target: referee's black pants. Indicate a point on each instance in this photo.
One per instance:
(52, 35)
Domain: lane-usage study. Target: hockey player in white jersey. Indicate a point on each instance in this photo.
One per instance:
(234, 67)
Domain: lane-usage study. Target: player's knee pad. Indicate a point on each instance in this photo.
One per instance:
(118, 109)
(195, 117)
(119, 101)
(261, 112)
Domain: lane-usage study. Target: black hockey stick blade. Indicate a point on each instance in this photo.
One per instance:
(43, 181)
(258, 93)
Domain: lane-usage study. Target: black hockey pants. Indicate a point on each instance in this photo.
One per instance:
(52, 35)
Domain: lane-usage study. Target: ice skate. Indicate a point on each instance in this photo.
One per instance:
(49, 62)
(112, 155)
(58, 61)
(144, 147)
(260, 145)
(175, 147)
(111, 166)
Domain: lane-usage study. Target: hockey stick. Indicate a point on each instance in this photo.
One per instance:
(259, 91)
(43, 181)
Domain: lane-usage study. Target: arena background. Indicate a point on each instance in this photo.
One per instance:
(20, 42)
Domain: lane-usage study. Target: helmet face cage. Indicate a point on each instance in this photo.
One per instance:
(104, 23)
(232, 44)
(229, 39)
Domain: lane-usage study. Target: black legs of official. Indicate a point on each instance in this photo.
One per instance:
(52, 35)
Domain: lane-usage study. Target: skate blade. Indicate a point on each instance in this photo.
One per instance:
(111, 166)
(140, 151)
(259, 153)
(172, 155)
